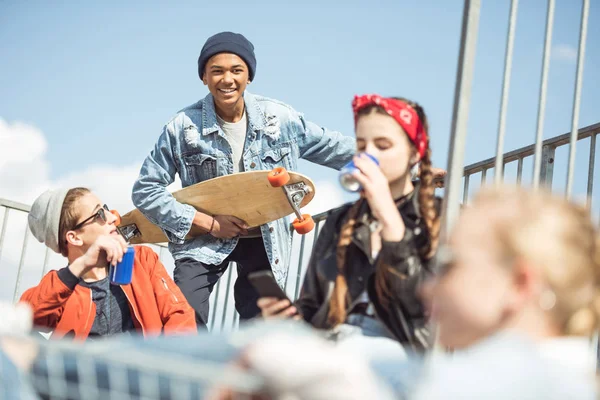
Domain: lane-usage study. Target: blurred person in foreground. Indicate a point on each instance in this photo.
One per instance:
(518, 300)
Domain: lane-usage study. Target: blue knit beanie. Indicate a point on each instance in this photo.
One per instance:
(228, 42)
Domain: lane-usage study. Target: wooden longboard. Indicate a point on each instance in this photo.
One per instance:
(246, 195)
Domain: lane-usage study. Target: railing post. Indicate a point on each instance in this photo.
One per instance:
(547, 167)
(3, 233)
(590, 185)
(539, 132)
(460, 113)
(510, 40)
(577, 97)
(21, 263)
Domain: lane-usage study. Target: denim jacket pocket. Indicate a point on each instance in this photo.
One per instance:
(278, 157)
(200, 167)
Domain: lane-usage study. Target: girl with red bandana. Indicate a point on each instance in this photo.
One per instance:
(372, 255)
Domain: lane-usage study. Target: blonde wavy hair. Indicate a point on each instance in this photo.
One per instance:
(558, 237)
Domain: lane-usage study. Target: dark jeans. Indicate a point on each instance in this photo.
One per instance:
(197, 280)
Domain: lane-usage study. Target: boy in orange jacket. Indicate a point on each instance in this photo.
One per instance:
(78, 300)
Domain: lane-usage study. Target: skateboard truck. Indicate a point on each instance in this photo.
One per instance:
(295, 193)
(128, 231)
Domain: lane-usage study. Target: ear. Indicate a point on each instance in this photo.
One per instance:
(526, 284)
(204, 80)
(73, 238)
(415, 158)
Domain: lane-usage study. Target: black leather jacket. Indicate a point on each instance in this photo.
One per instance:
(406, 318)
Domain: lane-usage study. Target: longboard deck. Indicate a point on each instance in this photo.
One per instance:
(246, 195)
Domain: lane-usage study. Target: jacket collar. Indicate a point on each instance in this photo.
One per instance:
(256, 116)
(361, 237)
(406, 205)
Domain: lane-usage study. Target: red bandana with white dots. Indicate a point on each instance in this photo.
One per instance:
(403, 113)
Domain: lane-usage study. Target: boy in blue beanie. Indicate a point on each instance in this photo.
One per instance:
(228, 131)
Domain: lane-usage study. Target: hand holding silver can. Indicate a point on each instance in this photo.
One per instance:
(347, 180)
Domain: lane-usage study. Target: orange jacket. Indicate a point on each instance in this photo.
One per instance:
(156, 303)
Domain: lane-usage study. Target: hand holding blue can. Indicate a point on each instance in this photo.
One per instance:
(122, 272)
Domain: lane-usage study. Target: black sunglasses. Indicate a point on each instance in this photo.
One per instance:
(101, 213)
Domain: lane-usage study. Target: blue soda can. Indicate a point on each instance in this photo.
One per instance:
(347, 181)
(121, 274)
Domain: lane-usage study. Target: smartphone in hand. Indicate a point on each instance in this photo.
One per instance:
(266, 286)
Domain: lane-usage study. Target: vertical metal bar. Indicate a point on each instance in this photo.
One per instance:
(460, 113)
(466, 189)
(214, 308)
(547, 171)
(483, 177)
(287, 278)
(86, 370)
(4, 223)
(46, 257)
(299, 273)
(597, 352)
(231, 264)
(510, 40)
(301, 258)
(57, 379)
(149, 384)
(519, 170)
(316, 234)
(590, 185)
(577, 96)
(537, 157)
(236, 319)
(160, 252)
(117, 376)
(21, 261)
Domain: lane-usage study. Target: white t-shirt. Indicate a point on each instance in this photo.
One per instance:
(235, 133)
(509, 366)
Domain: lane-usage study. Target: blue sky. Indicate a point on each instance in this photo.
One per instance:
(93, 75)
(99, 79)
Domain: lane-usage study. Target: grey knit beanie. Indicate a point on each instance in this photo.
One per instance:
(44, 217)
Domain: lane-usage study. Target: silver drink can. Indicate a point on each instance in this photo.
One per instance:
(348, 181)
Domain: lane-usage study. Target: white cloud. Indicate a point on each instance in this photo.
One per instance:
(23, 167)
(24, 175)
(564, 52)
(110, 183)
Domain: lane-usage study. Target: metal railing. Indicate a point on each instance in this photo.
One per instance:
(548, 159)
(542, 151)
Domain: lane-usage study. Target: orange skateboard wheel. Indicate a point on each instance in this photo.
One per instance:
(278, 177)
(306, 225)
(116, 214)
